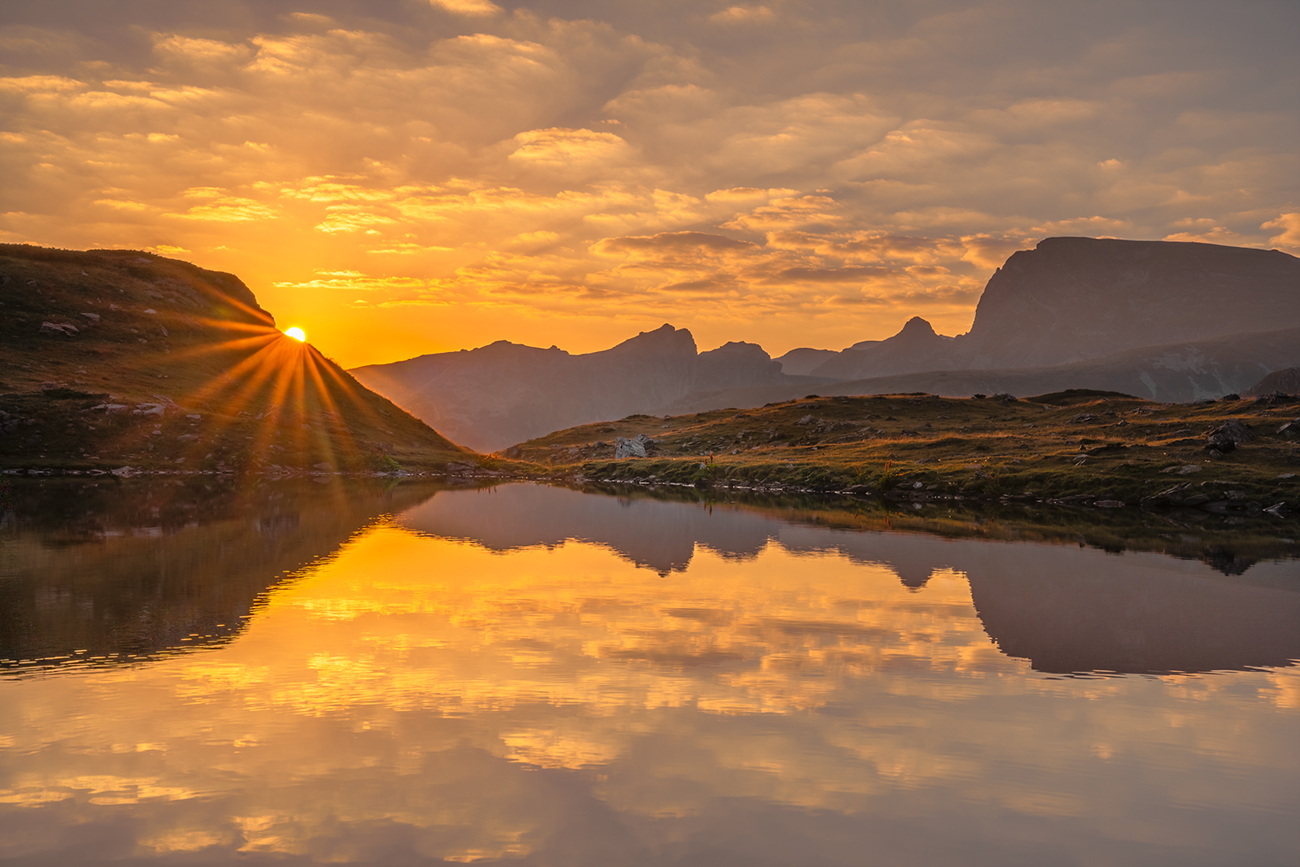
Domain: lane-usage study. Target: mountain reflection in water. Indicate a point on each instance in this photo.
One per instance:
(1064, 609)
(532, 675)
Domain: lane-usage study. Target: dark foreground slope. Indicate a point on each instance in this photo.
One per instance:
(503, 393)
(111, 358)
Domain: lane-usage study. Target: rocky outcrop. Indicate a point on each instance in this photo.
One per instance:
(638, 446)
(1284, 381)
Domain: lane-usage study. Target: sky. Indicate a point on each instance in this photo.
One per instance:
(400, 177)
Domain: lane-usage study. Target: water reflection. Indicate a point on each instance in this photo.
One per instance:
(109, 571)
(1065, 610)
(535, 676)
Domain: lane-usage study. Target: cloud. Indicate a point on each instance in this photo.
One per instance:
(693, 242)
(1288, 226)
(743, 15)
(472, 8)
(637, 158)
(559, 148)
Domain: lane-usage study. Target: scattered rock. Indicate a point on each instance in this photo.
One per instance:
(63, 329)
(1184, 470)
(93, 317)
(148, 409)
(1291, 428)
(1277, 510)
(808, 419)
(1227, 436)
(1082, 418)
(322, 467)
(636, 447)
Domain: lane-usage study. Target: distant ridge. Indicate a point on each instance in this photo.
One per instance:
(503, 393)
(1173, 373)
(1163, 320)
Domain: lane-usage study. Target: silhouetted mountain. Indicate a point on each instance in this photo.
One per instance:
(1071, 299)
(505, 393)
(1173, 373)
(1076, 299)
(916, 347)
(802, 361)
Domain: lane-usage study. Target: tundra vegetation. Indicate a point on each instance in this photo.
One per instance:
(1230, 456)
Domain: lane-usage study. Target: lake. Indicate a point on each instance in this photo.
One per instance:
(318, 672)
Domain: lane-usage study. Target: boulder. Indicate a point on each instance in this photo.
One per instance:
(1227, 436)
(636, 447)
(62, 329)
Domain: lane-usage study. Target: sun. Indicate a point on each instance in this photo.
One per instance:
(296, 333)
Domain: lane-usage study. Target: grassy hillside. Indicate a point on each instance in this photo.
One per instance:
(1088, 447)
(113, 358)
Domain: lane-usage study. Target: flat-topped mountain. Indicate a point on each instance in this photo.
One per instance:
(504, 393)
(1075, 299)
(1070, 299)
(113, 358)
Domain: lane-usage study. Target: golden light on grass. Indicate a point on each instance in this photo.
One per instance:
(296, 333)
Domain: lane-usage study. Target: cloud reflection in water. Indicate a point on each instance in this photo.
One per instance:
(505, 694)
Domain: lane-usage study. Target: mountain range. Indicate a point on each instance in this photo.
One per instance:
(1168, 321)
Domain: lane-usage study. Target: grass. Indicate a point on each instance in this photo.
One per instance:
(1090, 446)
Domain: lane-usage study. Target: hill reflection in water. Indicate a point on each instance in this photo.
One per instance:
(1065, 609)
(114, 571)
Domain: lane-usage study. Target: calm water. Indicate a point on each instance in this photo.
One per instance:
(529, 675)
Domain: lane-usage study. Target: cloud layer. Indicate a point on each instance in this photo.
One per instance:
(788, 173)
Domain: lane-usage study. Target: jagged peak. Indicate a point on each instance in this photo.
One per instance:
(916, 325)
(665, 336)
